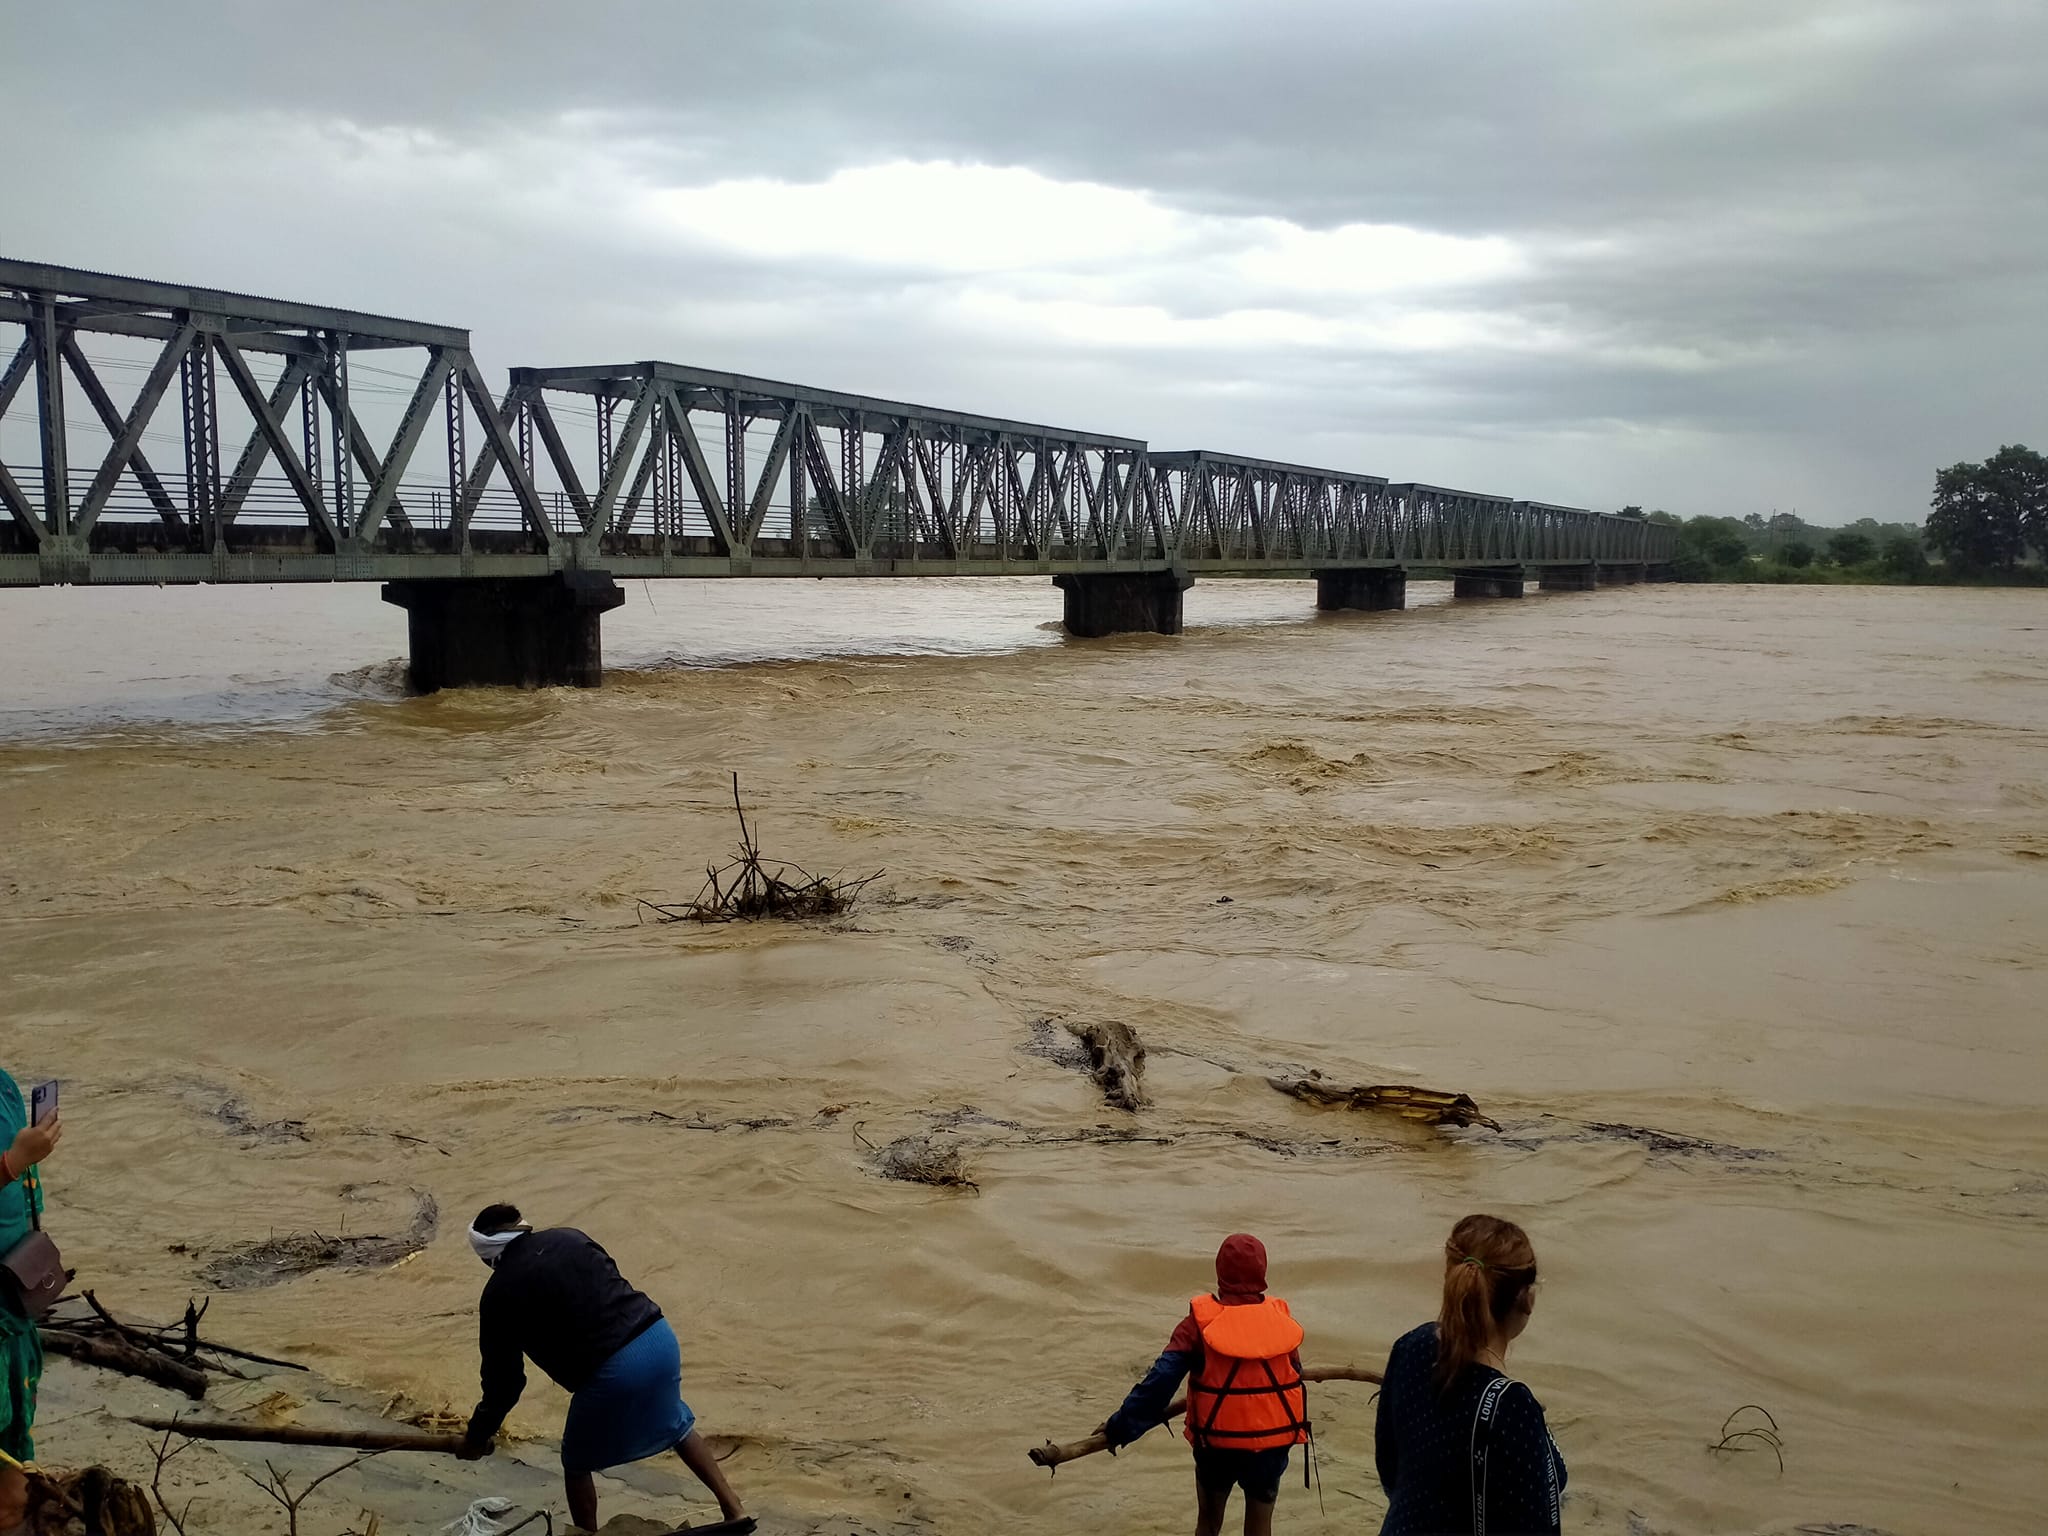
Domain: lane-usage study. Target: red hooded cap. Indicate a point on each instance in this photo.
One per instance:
(1241, 1268)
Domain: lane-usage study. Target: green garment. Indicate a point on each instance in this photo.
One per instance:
(21, 1347)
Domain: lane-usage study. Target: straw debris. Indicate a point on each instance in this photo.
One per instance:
(924, 1160)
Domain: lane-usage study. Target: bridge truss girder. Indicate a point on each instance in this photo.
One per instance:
(308, 493)
(344, 469)
(682, 472)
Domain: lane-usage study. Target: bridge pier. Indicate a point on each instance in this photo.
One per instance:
(1132, 603)
(1569, 578)
(1620, 575)
(1369, 590)
(500, 632)
(1497, 583)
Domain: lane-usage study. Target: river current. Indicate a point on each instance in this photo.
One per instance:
(1730, 904)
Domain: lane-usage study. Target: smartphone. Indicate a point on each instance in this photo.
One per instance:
(42, 1101)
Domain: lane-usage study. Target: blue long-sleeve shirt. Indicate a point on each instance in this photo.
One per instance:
(1423, 1444)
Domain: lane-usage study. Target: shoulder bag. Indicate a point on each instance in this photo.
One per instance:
(32, 1272)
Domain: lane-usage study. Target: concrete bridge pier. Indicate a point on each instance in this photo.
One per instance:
(1126, 603)
(1504, 582)
(506, 632)
(1569, 578)
(1371, 591)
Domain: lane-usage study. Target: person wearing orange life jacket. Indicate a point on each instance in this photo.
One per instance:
(1240, 1352)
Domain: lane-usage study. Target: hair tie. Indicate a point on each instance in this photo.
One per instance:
(1474, 1262)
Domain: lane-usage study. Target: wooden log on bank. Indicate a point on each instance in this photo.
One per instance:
(116, 1354)
(1053, 1455)
(299, 1434)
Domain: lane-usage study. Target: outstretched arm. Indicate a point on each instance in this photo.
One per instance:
(504, 1378)
(1147, 1403)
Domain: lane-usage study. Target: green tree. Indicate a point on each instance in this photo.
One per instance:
(1666, 519)
(1903, 558)
(1634, 512)
(1977, 521)
(1711, 549)
(1851, 548)
(1798, 554)
(2021, 476)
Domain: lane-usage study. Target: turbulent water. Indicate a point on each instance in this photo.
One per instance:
(1730, 904)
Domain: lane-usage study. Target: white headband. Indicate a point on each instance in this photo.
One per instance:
(491, 1246)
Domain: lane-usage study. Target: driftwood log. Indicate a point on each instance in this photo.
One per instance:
(1055, 1455)
(1428, 1105)
(299, 1434)
(112, 1353)
(1116, 1060)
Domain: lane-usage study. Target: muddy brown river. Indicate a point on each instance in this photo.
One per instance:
(1730, 904)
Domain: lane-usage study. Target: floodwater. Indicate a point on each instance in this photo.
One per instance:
(1731, 904)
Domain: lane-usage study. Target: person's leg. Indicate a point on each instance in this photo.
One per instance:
(582, 1490)
(1258, 1516)
(1210, 1505)
(698, 1458)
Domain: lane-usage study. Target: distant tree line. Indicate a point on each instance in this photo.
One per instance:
(1989, 524)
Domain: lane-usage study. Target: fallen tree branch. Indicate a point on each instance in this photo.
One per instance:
(116, 1354)
(189, 1346)
(299, 1434)
(1054, 1456)
(748, 887)
(1428, 1105)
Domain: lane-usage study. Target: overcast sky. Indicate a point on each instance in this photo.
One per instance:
(1710, 255)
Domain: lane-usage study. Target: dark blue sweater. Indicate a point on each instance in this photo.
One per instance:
(1423, 1442)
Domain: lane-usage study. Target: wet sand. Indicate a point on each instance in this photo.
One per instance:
(1763, 870)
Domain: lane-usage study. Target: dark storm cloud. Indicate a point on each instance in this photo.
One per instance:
(1763, 251)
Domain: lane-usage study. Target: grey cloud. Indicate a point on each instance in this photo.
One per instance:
(1837, 205)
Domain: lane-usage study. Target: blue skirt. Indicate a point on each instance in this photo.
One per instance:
(632, 1408)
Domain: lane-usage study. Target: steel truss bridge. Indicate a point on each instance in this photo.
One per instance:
(306, 443)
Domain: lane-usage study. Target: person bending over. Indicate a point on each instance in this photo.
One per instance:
(1461, 1447)
(556, 1298)
(1247, 1405)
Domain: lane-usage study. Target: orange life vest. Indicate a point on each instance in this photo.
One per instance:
(1247, 1395)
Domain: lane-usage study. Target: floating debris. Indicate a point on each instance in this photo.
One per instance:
(234, 1114)
(1426, 1105)
(1758, 1437)
(749, 888)
(1116, 1060)
(925, 1160)
(276, 1259)
(1673, 1143)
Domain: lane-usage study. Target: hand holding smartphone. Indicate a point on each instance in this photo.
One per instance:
(38, 1139)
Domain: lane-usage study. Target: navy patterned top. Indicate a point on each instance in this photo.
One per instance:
(1424, 1443)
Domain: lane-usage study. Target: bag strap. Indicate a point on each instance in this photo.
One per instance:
(1482, 1438)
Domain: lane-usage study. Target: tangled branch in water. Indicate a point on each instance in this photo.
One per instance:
(1766, 1439)
(748, 887)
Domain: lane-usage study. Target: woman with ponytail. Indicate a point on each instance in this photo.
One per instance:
(1462, 1447)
